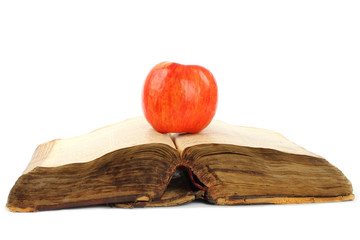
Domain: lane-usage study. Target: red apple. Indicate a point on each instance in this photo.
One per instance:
(179, 98)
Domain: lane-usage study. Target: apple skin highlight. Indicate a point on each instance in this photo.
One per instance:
(179, 98)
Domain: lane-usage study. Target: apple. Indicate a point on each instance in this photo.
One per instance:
(179, 98)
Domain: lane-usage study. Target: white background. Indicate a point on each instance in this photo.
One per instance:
(69, 67)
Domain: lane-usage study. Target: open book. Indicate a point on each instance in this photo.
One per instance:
(131, 165)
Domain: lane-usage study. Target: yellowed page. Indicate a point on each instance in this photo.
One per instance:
(223, 133)
(95, 144)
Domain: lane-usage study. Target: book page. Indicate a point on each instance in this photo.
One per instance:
(222, 133)
(95, 144)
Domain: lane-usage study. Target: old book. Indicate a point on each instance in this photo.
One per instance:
(131, 165)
